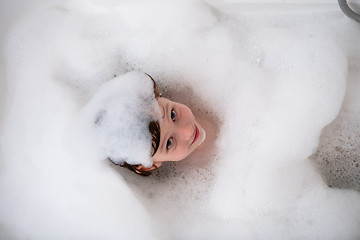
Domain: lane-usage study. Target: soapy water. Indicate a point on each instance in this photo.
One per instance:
(269, 85)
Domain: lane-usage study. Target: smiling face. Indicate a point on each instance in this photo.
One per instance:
(180, 133)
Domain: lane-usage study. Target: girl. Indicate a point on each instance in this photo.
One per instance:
(174, 137)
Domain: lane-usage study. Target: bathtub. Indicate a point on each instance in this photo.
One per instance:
(52, 186)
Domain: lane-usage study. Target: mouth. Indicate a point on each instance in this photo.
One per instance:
(196, 134)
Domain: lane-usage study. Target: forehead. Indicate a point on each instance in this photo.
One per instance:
(161, 154)
(163, 101)
(163, 104)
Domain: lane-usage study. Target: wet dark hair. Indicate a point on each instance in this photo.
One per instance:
(154, 129)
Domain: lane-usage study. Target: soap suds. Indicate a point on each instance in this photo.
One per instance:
(269, 83)
(119, 114)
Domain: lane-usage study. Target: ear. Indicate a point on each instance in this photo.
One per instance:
(142, 168)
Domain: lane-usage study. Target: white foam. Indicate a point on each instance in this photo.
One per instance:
(269, 83)
(119, 114)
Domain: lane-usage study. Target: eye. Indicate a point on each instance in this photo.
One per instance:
(173, 114)
(169, 143)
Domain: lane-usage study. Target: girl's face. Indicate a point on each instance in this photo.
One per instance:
(180, 133)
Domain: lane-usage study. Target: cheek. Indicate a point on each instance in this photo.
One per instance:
(180, 153)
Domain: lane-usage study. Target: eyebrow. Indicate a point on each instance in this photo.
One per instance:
(161, 147)
(163, 111)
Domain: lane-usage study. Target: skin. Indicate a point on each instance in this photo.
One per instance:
(180, 133)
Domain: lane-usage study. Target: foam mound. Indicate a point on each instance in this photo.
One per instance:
(120, 113)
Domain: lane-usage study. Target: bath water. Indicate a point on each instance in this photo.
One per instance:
(269, 83)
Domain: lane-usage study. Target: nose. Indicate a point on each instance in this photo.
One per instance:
(185, 131)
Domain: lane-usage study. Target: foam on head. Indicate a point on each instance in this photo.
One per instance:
(119, 114)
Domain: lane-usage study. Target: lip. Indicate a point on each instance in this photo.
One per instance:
(196, 134)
